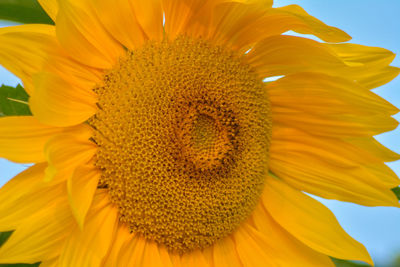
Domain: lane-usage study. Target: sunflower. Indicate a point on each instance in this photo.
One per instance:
(156, 140)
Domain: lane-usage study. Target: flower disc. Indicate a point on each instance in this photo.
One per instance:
(183, 130)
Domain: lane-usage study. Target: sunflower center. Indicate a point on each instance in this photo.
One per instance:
(183, 131)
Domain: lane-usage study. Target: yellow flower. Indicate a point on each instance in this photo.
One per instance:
(157, 143)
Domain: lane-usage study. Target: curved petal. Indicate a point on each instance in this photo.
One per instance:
(225, 254)
(37, 238)
(80, 32)
(89, 246)
(51, 8)
(319, 93)
(66, 152)
(132, 253)
(24, 187)
(194, 258)
(283, 55)
(253, 248)
(23, 49)
(81, 188)
(290, 251)
(305, 218)
(59, 103)
(150, 17)
(22, 138)
(119, 19)
(121, 238)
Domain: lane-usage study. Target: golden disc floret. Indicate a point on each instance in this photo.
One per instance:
(183, 131)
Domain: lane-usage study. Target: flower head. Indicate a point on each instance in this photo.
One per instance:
(157, 142)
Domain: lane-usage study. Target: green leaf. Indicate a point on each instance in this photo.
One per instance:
(13, 101)
(3, 237)
(24, 11)
(396, 190)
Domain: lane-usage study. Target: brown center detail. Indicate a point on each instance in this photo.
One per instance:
(183, 131)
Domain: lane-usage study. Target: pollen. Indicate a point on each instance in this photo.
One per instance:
(183, 130)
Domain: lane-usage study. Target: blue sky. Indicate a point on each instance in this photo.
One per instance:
(369, 22)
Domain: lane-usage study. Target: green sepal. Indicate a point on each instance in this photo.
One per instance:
(13, 101)
(23, 11)
(396, 190)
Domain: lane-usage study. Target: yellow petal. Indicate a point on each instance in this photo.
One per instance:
(194, 258)
(150, 17)
(22, 138)
(322, 94)
(50, 263)
(310, 222)
(89, 246)
(119, 19)
(82, 35)
(291, 251)
(337, 125)
(246, 28)
(361, 55)
(151, 255)
(81, 188)
(283, 55)
(378, 77)
(51, 7)
(322, 172)
(66, 152)
(39, 238)
(59, 103)
(121, 237)
(225, 254)
(369, 65)
(252, 247)
(374, 147)
(304, 23)
(24, 187)
(23, 49)
(132, 254)
(165, 257)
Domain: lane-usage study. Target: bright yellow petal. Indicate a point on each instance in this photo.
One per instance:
(342, 126)
(252, 247)
(50, 263)
(65, 106)
(51, 7)
(369, 65)
(225, 254)
(194, 258)
(291, 251)
(16, 191)
(119, 19)
(81, 188)
(22, 138)
(149, 14)
(132, 253)
(121, 238)
(151, 255)
(67, 152)
(89, 246)
(374, 147)
(165, 256)
(38, 237)
(283, 55)
(23, 50)
(306, 218)
(317, 93)
(80, 33)
(378, 77)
